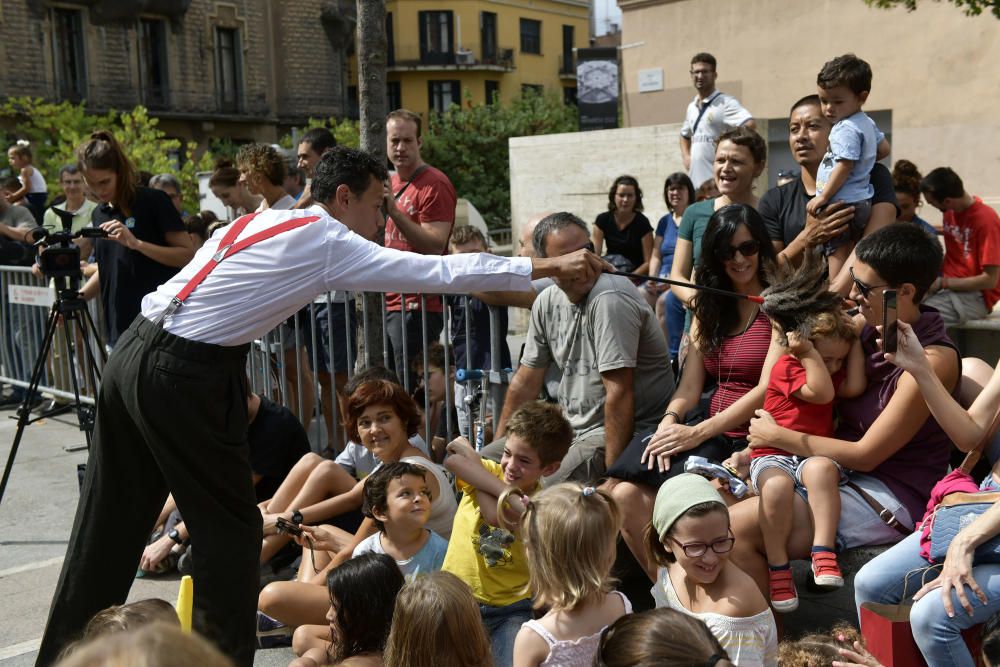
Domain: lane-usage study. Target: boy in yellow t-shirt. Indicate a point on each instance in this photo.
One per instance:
(484, 556)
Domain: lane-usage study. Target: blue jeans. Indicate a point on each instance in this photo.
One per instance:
(502, 625)
(938, 637)
(673, 313)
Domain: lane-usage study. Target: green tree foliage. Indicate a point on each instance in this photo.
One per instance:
(469, 144)
(970, 7)
(345, 131)
(55, 130)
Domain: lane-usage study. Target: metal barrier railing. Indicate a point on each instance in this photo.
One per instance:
(282, 364)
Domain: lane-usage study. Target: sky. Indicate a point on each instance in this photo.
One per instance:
(605, 13)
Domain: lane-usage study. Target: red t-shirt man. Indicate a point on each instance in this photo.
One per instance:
(787, 377)
(971, 243)
(429, 198)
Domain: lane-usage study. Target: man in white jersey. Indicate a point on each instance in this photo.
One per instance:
(171, 411)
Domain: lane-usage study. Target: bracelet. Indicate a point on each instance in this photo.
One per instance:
(671, 413)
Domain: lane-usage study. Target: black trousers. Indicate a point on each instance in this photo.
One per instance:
(403, 356)
(171, 416)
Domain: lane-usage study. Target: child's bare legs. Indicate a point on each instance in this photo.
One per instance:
(821, 477)
(837, 259)
(326, 480)
(309, 637)
(294, 602)
(777, 491)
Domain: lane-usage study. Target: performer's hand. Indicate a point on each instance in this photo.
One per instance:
(154, 553)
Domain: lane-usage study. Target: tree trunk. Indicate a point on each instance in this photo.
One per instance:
(372, 50)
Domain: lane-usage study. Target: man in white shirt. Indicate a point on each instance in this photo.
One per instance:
(171, 410)
(709, 115)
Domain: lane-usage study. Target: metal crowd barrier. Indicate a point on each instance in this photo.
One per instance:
(25, 301)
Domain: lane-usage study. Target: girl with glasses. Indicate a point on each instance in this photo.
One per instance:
(690, 540)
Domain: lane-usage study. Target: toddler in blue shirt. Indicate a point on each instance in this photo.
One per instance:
(855, 144)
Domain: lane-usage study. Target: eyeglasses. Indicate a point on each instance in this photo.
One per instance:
(697, 549)
(747, 249)
(864, 289)
(589, 246)
(702, 72)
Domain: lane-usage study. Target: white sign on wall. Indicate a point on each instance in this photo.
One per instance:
(30, 295)
(650, 80)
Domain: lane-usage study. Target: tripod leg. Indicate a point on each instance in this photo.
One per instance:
(84, 414)
(24, 411)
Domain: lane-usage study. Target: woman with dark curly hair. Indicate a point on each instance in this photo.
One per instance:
(732, 349)
(623, 227)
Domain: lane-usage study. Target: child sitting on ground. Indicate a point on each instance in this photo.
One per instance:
(855, 145)
(437, 405)
(490, 559)
(362, 594)
(570, 535)
(800, 393)
(690, 539)
(398, 502)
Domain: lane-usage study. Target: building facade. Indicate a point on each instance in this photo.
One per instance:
(441, 51)
(933, 91)
(245, 70)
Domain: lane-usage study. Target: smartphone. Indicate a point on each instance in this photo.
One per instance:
(889, 321)
(285, 526)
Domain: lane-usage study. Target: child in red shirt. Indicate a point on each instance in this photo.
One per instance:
(799, 396)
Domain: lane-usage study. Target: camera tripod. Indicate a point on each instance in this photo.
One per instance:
(71, 309)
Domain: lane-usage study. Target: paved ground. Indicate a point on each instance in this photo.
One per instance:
(36, 515)
(35, 519)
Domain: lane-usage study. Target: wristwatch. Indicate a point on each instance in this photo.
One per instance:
(175, 536)
(297, 517)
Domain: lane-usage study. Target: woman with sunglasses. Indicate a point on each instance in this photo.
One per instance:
(732, 349)
(886, 436)
(690, 539)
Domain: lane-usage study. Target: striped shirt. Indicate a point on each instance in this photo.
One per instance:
(736, 365)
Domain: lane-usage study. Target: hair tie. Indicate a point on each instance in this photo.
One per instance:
(23, 142)
(589, 491)
(713, 660)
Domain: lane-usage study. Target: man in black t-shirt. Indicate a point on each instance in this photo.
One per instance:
(784, 207)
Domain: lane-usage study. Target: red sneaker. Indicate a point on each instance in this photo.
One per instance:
(825, 570)
(783, 595)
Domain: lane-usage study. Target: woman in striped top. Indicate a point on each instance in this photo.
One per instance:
(732, 349)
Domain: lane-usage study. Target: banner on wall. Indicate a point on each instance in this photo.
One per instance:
(597, 87)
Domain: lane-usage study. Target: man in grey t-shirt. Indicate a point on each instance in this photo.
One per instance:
(603, 337)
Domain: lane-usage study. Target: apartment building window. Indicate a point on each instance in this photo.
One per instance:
(153, 63)
(488, 36)
(68, 54)
(569, 96)
(492, 91)
(567, 64)
(228, 69)
(531, 36)
(390, 42)
(393, 95)
(437, 46)
(353, 104)
(442, 94)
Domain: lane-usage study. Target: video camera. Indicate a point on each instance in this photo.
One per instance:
(61, 258)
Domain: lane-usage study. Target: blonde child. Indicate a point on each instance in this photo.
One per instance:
(33, 187)
(800, 394)
(436, 624)
(690, 539)
(570, 534)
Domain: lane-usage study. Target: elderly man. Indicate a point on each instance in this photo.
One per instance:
(604, 339)
(784, 207)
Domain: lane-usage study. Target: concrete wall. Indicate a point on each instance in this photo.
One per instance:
(934, 68)
(573, 172)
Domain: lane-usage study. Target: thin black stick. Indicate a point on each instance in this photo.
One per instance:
(668, 281)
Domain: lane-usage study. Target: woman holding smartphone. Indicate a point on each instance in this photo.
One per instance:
(147, 242)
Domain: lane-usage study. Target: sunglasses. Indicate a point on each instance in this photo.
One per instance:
(864, 289)
(747, 249)
(697, 549)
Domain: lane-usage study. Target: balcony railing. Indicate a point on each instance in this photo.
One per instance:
(410, 57)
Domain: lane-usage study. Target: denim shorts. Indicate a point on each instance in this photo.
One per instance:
(791, 465)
